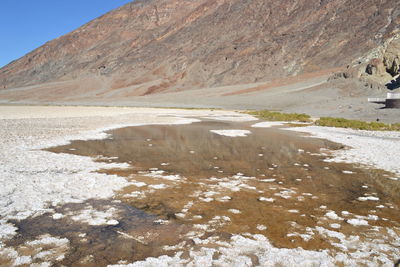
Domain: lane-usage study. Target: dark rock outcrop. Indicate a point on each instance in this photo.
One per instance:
(391, 58)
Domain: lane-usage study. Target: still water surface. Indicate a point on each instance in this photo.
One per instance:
(187, 183)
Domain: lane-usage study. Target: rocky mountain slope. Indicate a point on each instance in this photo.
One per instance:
(152, 46)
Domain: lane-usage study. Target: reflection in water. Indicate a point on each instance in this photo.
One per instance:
(272, 182)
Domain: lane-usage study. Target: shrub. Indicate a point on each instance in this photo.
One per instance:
(356, 124)
(277, 116)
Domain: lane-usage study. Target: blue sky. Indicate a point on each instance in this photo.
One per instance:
(28, 24)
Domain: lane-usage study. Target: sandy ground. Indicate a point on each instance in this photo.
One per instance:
(312, 94)
(33, 179)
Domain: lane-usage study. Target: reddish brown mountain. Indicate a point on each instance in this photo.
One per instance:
(156, 45)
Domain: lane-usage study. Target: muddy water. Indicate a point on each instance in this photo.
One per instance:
(272, 182)
(135, 235)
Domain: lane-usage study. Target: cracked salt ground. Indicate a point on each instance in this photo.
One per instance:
(288, 203)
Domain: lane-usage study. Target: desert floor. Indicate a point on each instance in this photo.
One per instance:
(313, 94)
(98, 186)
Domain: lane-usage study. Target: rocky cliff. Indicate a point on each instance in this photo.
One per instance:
(156, 45)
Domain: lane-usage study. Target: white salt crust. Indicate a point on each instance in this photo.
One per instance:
(44, 251)
(33, 179)
(236, 253)
(238, 117)
(92, 216)
(233, 253)
(268, 124)
(372, 148)
(232, 133)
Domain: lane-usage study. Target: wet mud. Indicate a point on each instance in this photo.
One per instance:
(135, 235)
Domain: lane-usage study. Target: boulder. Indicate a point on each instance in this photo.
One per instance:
(391, 58)
(376, 67)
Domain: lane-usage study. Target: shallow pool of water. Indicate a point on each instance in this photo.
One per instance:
(200, 184)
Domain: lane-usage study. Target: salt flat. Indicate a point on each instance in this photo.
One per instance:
(34, 181)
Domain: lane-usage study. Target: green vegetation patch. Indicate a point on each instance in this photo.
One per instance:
(355, 124)
(323, 121)
(277, 116)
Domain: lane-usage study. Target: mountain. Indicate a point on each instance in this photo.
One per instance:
(157, 46)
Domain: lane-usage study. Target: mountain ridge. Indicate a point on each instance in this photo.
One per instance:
(156, 46)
